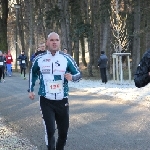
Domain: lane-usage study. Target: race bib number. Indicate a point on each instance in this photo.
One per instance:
(9, 57)
(1, 63)
(54, 86)
(23, 61)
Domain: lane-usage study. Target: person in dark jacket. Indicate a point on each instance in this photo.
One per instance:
(2, 66)
(5, 66)
(23, 62)
(102, 64)
(41, 49)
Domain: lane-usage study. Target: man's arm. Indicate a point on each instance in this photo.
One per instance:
(99, 61)
(74, 71)
(18, 57)
(4, 59)
(33, 76)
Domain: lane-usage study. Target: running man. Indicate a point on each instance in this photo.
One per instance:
(2, 66)
(9, 60)
(53, 91)
(23, 62)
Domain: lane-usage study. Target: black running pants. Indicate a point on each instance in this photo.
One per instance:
(103, 75)
(23, 70)
(55, 111)
(1, 72)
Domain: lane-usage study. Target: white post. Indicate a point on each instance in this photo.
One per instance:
(121, 72)
(114, 67)
(129, 68)
(117, 71)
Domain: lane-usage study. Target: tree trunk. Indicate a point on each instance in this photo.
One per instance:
(3, 25)
(21, 32)
(91, 59)
(104, 33)
(147, 29)
(96, 32)
(83, 51)
(136, 40)
(65, 25)
(76, 50)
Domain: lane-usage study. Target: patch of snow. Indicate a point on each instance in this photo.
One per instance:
(125, 90)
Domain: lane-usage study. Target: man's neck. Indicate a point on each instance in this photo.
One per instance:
(52, 52)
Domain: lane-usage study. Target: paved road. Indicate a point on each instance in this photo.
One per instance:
(96, 122)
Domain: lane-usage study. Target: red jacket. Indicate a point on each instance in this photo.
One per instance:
(9, 59)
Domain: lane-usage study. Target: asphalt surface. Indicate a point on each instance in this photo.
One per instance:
(96, 122)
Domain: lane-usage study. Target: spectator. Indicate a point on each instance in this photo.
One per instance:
(102, 64)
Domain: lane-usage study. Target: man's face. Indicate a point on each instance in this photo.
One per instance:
(42, 47)
(65, 51)
(53, 42)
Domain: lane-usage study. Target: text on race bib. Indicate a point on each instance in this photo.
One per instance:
(1, 63)
(54, 86)
(23, 61)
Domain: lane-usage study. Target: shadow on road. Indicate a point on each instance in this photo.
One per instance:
(97, 122)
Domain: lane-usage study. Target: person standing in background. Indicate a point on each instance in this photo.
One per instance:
(9, 60)
(102, 64)
(65, 50)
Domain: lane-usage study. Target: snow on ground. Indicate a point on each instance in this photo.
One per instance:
(10, 140)
(125, 91)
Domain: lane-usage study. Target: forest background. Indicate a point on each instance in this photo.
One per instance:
(86, 27)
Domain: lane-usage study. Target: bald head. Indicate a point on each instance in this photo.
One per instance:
(52, 34)
(53, 42)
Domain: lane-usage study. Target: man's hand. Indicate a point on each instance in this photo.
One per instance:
(31, 95)
(68, 76)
